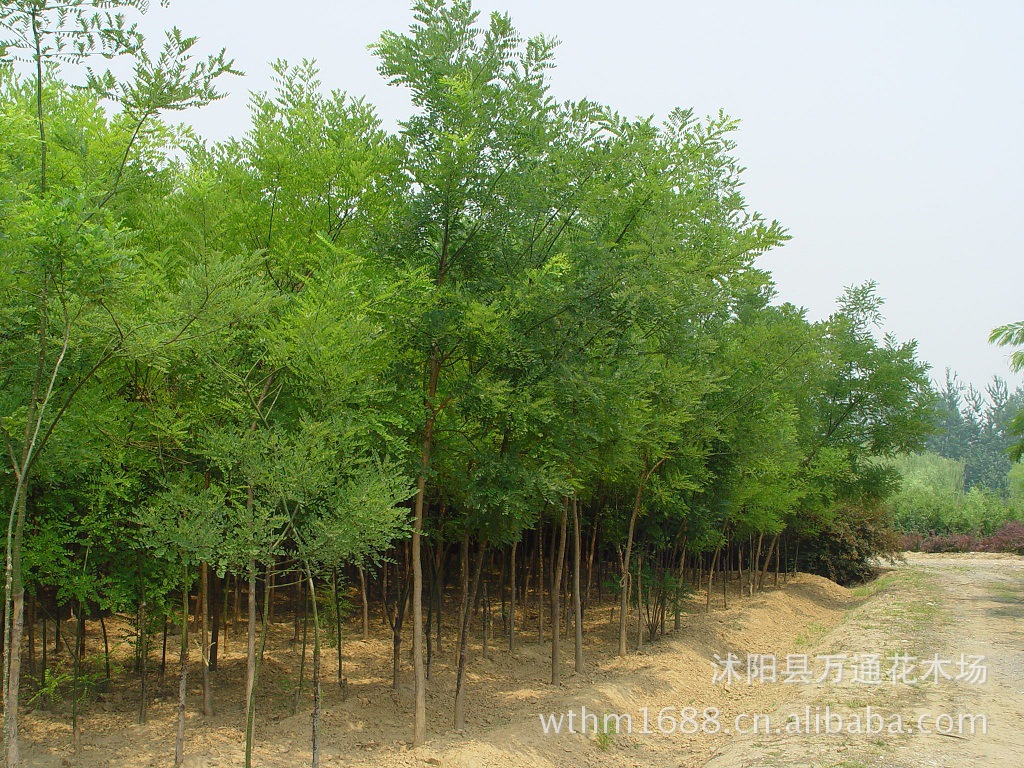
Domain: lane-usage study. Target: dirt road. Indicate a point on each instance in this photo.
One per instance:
(934, 605)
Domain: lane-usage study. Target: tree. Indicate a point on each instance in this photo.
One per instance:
(1005, 336)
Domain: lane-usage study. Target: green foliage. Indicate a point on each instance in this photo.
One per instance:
(933, 500)
(238, 352)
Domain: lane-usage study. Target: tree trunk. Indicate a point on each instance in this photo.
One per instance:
(577, 603)
(366, 603)
(767, 561)
(216, 613)
(556, 594)
(337, 628)
(512, 600)
(590, 563)
(468, 599)
(419, 733)
(250, 645)
(204, 646)
(302, 657)
(316, 671)
(711, 575)
(14, 622)
(540, 583)
(179, 742)
(143, 648)
(257, 660)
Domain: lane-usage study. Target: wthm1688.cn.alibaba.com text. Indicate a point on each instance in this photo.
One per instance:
(691, 721)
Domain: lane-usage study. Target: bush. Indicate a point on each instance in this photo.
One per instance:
(1009, 537)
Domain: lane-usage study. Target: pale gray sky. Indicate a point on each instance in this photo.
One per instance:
(887, 135)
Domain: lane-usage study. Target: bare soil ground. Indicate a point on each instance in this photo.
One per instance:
(933, 604)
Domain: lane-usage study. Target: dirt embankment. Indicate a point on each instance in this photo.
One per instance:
(372, 725)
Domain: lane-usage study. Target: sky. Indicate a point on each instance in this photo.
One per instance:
(887, 137)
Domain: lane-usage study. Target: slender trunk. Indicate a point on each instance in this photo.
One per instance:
(337, 628)
(486, 618)
(725, 576)
(540, 584)
(624, 579)
(257, 662)
(302, 657)
(467, 603)
(639, 601)
(76, 697)
(316, 670)
(163, 654)
(32, 635)
(143, 648)
(576, 598)
(756, 566)
(179, 742)
(204, 646)
(512, 600)
(711, 575)
(590, 563)
(106, 653)
(419, 733)
(14, 620)
(767, 561)
(776, 582)
(250, 647)
(678, 603)
(45, 700)
(217, 611)
(366, 603)
(556, 584)
(439, 589)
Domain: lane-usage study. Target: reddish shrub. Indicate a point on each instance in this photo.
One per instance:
(1008, 538)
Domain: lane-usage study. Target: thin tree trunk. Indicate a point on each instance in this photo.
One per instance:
(540, 583)
(76, 697)
(767, 561)
(556, 594)
(250, 714)
(217, 611)
(486, 617)
(179, 742)
(419, 513)
(624, 581)
(250, 638)
(163, 654)
(32, 635)
(106, 653)
(143, 648)
(302, 658)
(576, 597)
(316, 670)
(337, 628)
(512, 600)
(590, 563)
(640, 601)
(711, 575)
(204, 646)
(468, 599)
(366, 603)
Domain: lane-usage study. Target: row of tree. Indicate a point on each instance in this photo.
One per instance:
(515, 323)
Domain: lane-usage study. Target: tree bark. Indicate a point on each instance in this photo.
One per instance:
(576, 598)
(419, 671)
(556, 590)
(179, 742)
(512, 600)
(468, 598)
(204, 599)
